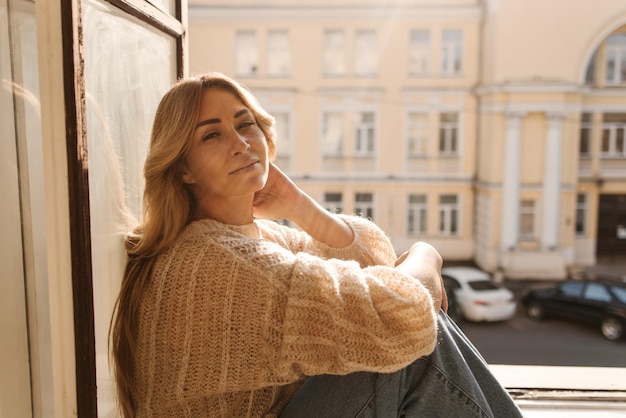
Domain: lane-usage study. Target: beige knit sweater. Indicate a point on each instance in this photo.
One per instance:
(235, 317)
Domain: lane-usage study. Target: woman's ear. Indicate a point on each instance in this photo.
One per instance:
(186, 175)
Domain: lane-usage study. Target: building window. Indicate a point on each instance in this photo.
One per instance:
(527, 220)
(419, 52)
(448, 215)
(585, 135)
(246, 53)
(333, 132)
(334, 52)
(613, 126)
(278, 53)
(364, 205)
(417, 214)
(364, 134)
(417, 134)
(615, 59)
(365, 52)
(448, 134)
(333, 202)
(452, 52)
(581, 213)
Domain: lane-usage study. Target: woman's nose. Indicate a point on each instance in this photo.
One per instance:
(239, 143)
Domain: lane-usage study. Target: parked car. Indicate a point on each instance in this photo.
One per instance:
(601, 302)
(473, 295)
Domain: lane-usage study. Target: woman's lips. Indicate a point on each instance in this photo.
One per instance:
(245, 167)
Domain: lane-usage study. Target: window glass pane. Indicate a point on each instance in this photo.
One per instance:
(246, 53)
(619, 141)
(333, 202)
(333, 133)
(615, 60)
(452, 51)
(22, 215)
(572, 289)
(364, 135)
(417, 135)
(581, 210)
(584, 141)
(620, 293)
(597, 292)
(128, 67)
(334, 52)
(165, 5)
(278, 53)
(606, 141)
(419, 52)
(365, 52)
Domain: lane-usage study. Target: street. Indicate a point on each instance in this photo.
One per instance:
(552, 342)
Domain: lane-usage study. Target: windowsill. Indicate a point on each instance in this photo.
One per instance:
(565, 392)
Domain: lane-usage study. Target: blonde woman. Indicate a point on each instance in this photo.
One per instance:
(225, 313)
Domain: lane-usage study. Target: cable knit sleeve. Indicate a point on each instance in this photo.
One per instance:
(370, 246)
(225, 316)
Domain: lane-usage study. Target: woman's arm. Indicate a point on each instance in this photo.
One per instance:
(282, 199)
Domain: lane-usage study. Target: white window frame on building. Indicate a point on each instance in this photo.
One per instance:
(365, 133)
(364, 204)
(615, 59)
(333, 133)
(335, 53)
(246, 53)
(449, 134)
(417, 214)
(449, 215)
(613, 135)
(417, 133)
(278, 53)
(452, 52)
(420, 51)
(365, 52)
(333, 202)
(527, 220)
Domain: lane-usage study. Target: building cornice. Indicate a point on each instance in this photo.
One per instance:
(199, 12)
(531, 88)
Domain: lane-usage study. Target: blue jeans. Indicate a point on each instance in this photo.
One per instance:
(452, 382)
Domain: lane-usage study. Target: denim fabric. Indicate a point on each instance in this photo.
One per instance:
(453, 382)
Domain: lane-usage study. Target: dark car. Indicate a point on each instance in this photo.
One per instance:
(601, 302)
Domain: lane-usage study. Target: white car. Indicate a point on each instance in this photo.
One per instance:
(472, 295)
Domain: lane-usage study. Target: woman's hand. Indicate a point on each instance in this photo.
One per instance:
(282, 199)
(423, 262)
(279, 196)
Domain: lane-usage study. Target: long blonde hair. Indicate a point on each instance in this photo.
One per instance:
(166, 210)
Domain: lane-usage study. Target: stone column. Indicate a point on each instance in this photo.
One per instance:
(552, 182)
(511, 182)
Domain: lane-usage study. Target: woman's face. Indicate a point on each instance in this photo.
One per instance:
(228, 156)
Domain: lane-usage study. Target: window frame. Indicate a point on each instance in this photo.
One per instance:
(530, 212)
(364, 204)
(417, 214)
(78, 173)
(417, 133)
(452, 52)
(449, 135)
(449, 216)
(419, 53)
(274, 52)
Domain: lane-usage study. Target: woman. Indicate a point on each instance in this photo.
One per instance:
(224, 314)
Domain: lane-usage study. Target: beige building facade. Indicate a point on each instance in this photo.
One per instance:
(492, 129)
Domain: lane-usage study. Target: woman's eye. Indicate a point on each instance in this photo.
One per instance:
(209, 135)
(246, 124)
